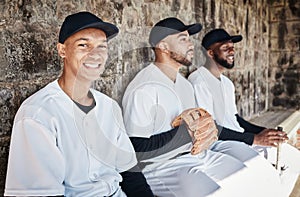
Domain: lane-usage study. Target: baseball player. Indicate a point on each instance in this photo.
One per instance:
(185, 160)
(69, 139)
(215, 93)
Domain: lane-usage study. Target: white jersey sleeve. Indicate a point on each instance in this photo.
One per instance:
(36, 165)
(139, 112)
(231, 95)
(125, 157)
(204, 98)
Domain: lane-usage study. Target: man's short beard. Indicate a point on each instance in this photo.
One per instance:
(180, 59)
(223, 62)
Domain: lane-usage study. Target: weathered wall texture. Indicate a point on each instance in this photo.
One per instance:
(29, 31)
(284, 67)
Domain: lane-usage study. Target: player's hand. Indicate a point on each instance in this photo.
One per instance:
(270, 137)
(205, 134)
(188, 116)
(201, 128)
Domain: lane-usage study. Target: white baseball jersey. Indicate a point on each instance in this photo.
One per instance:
(150, 103)
(217, 96)
(58, 149)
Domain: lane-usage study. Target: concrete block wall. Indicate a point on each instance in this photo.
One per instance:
(29, 31)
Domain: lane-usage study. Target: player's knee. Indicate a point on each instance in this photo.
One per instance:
(194, 182)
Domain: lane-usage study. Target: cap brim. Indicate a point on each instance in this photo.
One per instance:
(236, 38)
(109, 29)
(194, 28)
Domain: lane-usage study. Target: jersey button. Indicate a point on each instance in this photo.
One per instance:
(95, 175)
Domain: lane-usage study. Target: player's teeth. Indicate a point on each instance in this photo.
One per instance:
(92, 65)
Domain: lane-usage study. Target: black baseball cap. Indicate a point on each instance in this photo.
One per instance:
(82, 20)
(218, 35)
(169, 26)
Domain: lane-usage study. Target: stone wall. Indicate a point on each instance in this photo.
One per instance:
(28, 57)
(284, 67)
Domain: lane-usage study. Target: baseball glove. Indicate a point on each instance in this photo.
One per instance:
(201, 127)
(188, 116)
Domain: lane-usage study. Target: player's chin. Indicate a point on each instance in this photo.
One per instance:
(94, 74)
(189, 58)
(187, 62)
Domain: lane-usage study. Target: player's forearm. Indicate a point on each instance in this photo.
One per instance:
(247, 126)
(160, 144)
(228, 134)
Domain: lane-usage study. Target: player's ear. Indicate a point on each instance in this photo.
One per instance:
(163, 46)
(210, 53)
(61, 50)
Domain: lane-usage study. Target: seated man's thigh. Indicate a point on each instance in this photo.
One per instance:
(184, 182)
(192, 174)
(238, 150)
(218, 166)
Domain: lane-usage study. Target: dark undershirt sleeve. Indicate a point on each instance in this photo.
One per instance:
(247, 126)
(228, 134)
(247, 136)
(159, 144)
(134, 183)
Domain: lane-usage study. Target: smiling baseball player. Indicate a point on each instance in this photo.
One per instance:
(69, 139)
(216, 93)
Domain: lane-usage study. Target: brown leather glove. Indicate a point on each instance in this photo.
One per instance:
(188, 116)
(201, 127)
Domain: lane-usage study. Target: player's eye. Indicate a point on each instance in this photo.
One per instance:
(82, 45)
(103, 47)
